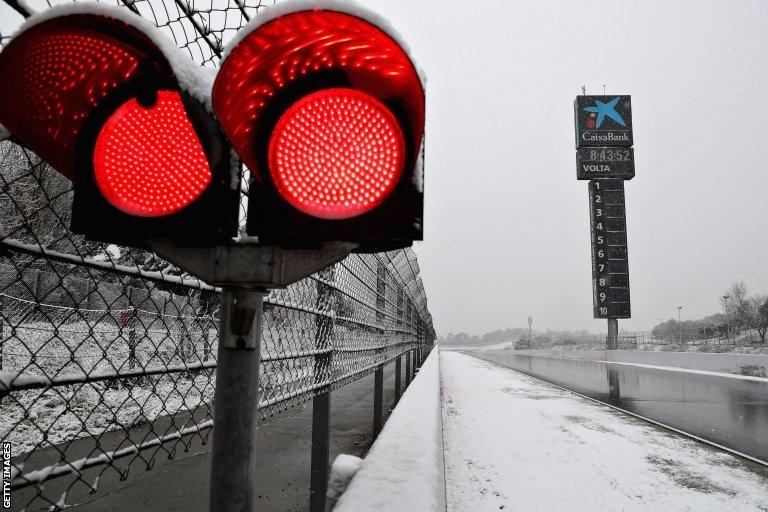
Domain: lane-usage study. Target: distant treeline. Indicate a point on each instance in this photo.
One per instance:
(489, 338)
(700, 328)
(508, 334)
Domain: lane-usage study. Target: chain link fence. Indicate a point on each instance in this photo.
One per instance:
(108, 354)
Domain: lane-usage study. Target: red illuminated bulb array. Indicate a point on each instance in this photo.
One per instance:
(148, 161)
(336, 153)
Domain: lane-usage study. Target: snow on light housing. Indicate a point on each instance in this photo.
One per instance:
(54, 74)
(274, 64)
(336, 153)
(148, 161)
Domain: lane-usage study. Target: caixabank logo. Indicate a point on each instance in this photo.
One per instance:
(603, 121)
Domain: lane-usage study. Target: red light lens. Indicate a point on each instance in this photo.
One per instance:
(336, 153)
(148, 161)
(295, 48)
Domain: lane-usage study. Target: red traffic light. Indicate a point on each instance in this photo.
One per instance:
(324, 107)
(94, 92)
(336, 153)
(147, 160)
(327, 111)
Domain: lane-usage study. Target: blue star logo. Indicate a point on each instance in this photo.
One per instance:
(606, 109)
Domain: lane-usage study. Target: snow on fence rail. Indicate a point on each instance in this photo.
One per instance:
(107, 354)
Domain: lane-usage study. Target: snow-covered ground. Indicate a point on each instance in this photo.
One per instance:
(515, 443)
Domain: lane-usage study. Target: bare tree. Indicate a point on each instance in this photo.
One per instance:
(763, 315)
(748, 311)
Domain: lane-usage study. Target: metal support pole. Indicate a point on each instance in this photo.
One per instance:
(321, 403)
(236, 402)
(407, 368)
(378, 395)
(321, 428)
(613, 333)
(132, 343)
(398, 371)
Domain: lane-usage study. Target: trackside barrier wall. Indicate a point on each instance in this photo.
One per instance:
(745, 364)
(404, 470)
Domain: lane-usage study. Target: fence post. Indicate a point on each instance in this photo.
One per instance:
(188, 346)
(205, 320)
(398, 365)
(378, 392)
(204, 332)
(236, 402)
(321, 403)
(132, 338)
(407, 368)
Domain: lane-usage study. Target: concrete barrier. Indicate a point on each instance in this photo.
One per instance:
(404, 470)
(742, 364)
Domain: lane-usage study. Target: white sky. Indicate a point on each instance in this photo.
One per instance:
(507, 223)
(507, 228)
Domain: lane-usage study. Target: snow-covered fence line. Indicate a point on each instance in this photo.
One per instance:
(108, 354)
(76, 373)
(626, 341)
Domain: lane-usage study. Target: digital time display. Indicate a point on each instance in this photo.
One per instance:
(607, 155)
(592, 162)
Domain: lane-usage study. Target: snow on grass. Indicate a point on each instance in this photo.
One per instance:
(403, 472)
(515, 443)
(37, 418)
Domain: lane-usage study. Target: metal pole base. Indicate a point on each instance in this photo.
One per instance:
(378, 398)
(398, 372)
(236, 402)
(612, 343)
(408, 368)
(321, 426)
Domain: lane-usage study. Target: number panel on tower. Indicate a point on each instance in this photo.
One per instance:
(610, 269)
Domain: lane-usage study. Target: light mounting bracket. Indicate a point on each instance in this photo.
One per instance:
(245, 264)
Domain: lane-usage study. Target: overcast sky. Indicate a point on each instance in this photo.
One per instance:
(507, 227)
(507, 224)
